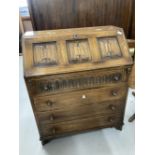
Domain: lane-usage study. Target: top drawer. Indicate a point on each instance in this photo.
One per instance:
(75, 81)
(80, 98)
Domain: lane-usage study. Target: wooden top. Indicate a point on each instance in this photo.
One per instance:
(70, 50)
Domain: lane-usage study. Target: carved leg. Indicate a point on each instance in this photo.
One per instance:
(44, 142)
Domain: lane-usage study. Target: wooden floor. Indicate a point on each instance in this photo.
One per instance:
(100, 142)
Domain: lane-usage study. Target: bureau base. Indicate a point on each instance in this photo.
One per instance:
(46, 140)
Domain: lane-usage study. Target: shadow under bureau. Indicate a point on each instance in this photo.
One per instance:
(76, 79)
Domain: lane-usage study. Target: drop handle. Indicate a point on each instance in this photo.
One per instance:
(45, 87)
(113, 108)
(75, 36)
(111, 119)
(49, 103)
(116, 78)
(114, 93)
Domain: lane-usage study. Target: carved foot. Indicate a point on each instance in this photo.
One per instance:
(119, 127)
(44, 142)
(132, 118)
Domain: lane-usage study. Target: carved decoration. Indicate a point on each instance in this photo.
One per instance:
(109, 47)
(45, 54)
(78, 51)
(81, 82)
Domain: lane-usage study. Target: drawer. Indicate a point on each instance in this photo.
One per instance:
(74, 81)
(88, 110)
(80, 125)
(80, 98)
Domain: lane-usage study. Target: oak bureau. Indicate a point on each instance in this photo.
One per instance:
(76, 79)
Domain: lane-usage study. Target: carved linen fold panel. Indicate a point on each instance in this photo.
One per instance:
(109, 47)
(45, 54)
(78, 51)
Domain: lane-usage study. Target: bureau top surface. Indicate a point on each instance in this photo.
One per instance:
(70, 50)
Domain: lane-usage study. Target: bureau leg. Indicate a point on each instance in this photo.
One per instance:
(132, 118)
(119, 127)
(44, 142)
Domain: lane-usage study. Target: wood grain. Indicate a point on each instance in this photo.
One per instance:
(87, 55)
(66, 100)
(87, 110)
(80, 125)
(59, 14)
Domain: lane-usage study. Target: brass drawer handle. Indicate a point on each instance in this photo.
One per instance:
(113, 108)
(45, 87)
(111, 119)
(75, 36)
(49, 103)
(116, 78)
(114, 93)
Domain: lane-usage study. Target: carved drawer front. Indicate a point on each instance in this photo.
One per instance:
(80, 125)
(75, 81)
(89, 110)
(78, 98)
